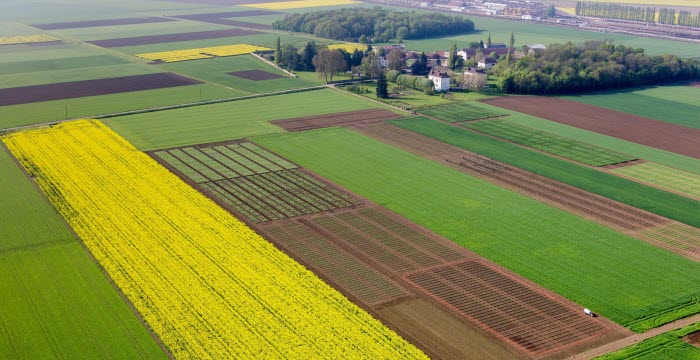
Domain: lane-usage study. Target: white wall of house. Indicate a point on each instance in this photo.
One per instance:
(441, 84)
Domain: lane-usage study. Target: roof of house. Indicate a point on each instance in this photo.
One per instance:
(498, 51)
(439, 74)
(496, 45)
(536, 46)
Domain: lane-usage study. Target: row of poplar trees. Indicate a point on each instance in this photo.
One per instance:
(637, 13)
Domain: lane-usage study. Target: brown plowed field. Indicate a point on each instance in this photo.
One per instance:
(77, 89)
(508, 307)
(96, 23)
(224, 18)
(337, 119)
(255, 75)
(169, 38)
(643, 225)
(658, 134)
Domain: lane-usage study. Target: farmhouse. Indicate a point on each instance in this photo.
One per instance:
(495, 46)
(486, 63)
(468, 53)
(441, 80)
(534, 48)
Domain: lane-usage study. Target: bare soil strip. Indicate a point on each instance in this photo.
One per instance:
(336, 119)
(512, 310)
(658, 134)
(643, 225)
(169, 38)
(693, 339)
(96, 23)
(76, 89)
(255, 75)
(224, 18)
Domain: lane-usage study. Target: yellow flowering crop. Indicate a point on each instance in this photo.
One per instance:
(202, 53)
(300, 4)
(10, 40)
(208, 285)
(349, 47)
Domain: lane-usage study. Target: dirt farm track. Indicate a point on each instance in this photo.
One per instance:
(675, 138)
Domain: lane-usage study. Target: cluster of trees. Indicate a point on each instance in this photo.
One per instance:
(637, 13)
(373, 25)
(594, 65)
(416, 82)
(615, 11)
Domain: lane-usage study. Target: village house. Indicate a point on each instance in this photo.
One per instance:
(383, 62)
(468, 53)
(533, 48)
(495, 46)
(441, 80)
(486, 63)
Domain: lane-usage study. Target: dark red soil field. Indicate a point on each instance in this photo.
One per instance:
(336, 119)
(169, 38)
(77, 89)
(652, 228)
(507, 306)
(95, 23)
(255, 75)
(224, 18)
(658, 134)
(693, 339)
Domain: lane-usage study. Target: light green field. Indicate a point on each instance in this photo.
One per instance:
(30, 66)
(677, 104)
(626, 147)
(27, 114)
(78, 74)
(665, 346)
(216, 70)
(52, 11)
(663, 176)
(47, 52)
(55, 301)
(458, 112)
(228, 121)
(136, 30)
(624, 279)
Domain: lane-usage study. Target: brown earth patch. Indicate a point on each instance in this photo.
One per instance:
(336, 119)
(255, 75)
(169, 38)
(651, 228)
(693, 339)
(96, 23)
(77, 89)
(225, 18)
(658, 134)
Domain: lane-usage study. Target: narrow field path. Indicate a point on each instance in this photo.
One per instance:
(631, 340)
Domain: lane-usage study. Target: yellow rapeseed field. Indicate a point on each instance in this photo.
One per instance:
(11, 40)
(349, 47)
(208, 285)
(300, 4)
(202, 53)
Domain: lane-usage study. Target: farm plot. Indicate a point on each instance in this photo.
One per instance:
(506, 306)
(169, 38)
(188, 266)
(201, 53)
(651, 199)
(285, 5)
(458, 112)
(663, 176)
(643, 225)
(665, 346)
(658, 134)
(77, 89)
(253, 182)
(97, 23)
(627, 280)
(337, 119)
(557, 145)
(255, 75)
(28, 39)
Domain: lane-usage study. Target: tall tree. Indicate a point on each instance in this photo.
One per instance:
(551, 11)
(278, 51)
(382, 86)
(329, 63)
(307, 56)
(488, 41)
(370, 66)
(452, 59)
(511, 43)
(396, 59)
(420, 66)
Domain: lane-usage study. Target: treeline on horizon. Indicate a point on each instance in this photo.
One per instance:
(375, 25)
(591, 66)
(637, 13)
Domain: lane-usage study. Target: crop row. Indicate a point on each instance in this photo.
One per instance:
(207, 285)
(670, 178)
(457, 112)
(557, 145)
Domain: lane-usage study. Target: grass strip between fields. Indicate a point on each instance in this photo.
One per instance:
(665, 346)
(631, 282)
(645, 197)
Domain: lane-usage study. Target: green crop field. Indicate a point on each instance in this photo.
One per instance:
(673, 179)
(626, 280)
(31, 66)
(55, 301)
(557, 145)
(27, 114)
(216, 70)
(651, 199)
(227, 121)
(136, 30)
(626, 147)
(665, 346)
(458, 112)
(677, 104)
(76, 74)
(413, 98)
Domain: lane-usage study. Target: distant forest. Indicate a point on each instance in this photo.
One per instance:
(594, 65)
(374, 25)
